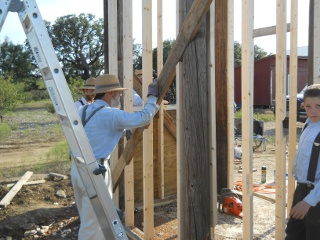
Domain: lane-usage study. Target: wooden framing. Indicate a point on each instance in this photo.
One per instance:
(180, 217)
(148, 181)
(281, 67)
(128, 106)
(160, 121)
(230, 91)
(212, 117)
(260, 32)
(247, 116)
(293, 99)
(221, 85)
(113, 69)
(189, 28)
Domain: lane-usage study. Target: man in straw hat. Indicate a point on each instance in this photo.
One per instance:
(87, 95)
(104, 124)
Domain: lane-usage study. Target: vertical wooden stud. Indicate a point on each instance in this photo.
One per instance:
(281, 76)
(293, 99)
(160, 121)
(148, 181)
(128, 106)
(247, 116)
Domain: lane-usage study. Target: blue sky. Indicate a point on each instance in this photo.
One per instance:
(265, 16)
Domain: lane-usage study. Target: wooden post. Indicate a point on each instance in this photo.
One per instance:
(221, 35)
(105, 35)
(281, 76)
(247, 52)
(212, 117)
(293, 99)
(113, 69)
(128, 83)
(180, 216)
(112, 37)
(160, 121)
(148, 181)
(121, 80)
(195, 137)
(230, 91)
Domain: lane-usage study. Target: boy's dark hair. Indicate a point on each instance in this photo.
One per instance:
(99, 95)
(312, 91)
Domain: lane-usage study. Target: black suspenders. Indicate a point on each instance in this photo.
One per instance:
(83, 118)
(313, 158)
(82, 103)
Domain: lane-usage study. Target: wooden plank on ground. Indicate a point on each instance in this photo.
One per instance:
(9, 196)
(27, 183)
(57, 175)
(189, 29)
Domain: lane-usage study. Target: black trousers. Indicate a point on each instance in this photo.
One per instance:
(309, 227)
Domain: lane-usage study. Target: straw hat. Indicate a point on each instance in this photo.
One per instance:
(107, 83)
(139, 74)
(89, 84)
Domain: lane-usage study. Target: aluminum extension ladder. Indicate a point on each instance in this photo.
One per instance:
(61, 98)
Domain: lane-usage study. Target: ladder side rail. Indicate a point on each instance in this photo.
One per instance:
(61, 98)
(4, 9)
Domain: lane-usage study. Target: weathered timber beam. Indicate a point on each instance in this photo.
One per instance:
(191, 24)
(260, 32)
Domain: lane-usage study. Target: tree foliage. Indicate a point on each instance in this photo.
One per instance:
(78, 42)
(258, 53)
(15, 62)
(9, 95)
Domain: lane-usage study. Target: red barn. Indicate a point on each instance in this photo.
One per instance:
(264, 80)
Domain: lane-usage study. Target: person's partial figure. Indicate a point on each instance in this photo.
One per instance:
(304, 217)
(104, 124)
(87, 93)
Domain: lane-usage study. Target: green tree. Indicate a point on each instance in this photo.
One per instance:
(9, 96)
(167, 46)
(15, 61)
(78, 42)
(237, 54)
(137, 56)
(259, 53)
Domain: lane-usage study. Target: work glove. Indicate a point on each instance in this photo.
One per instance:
(153, 88)
(128, 134)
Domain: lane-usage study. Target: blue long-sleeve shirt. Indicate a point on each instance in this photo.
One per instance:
(302, 160)
(105, 128)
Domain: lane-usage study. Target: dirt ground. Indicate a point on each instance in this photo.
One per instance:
(38, 212)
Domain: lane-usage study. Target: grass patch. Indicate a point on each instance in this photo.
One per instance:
(58, 152)
(260, 116)
(34, 104)
(56, 160)
(62, 167)
(271, 139)
(5, 130)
